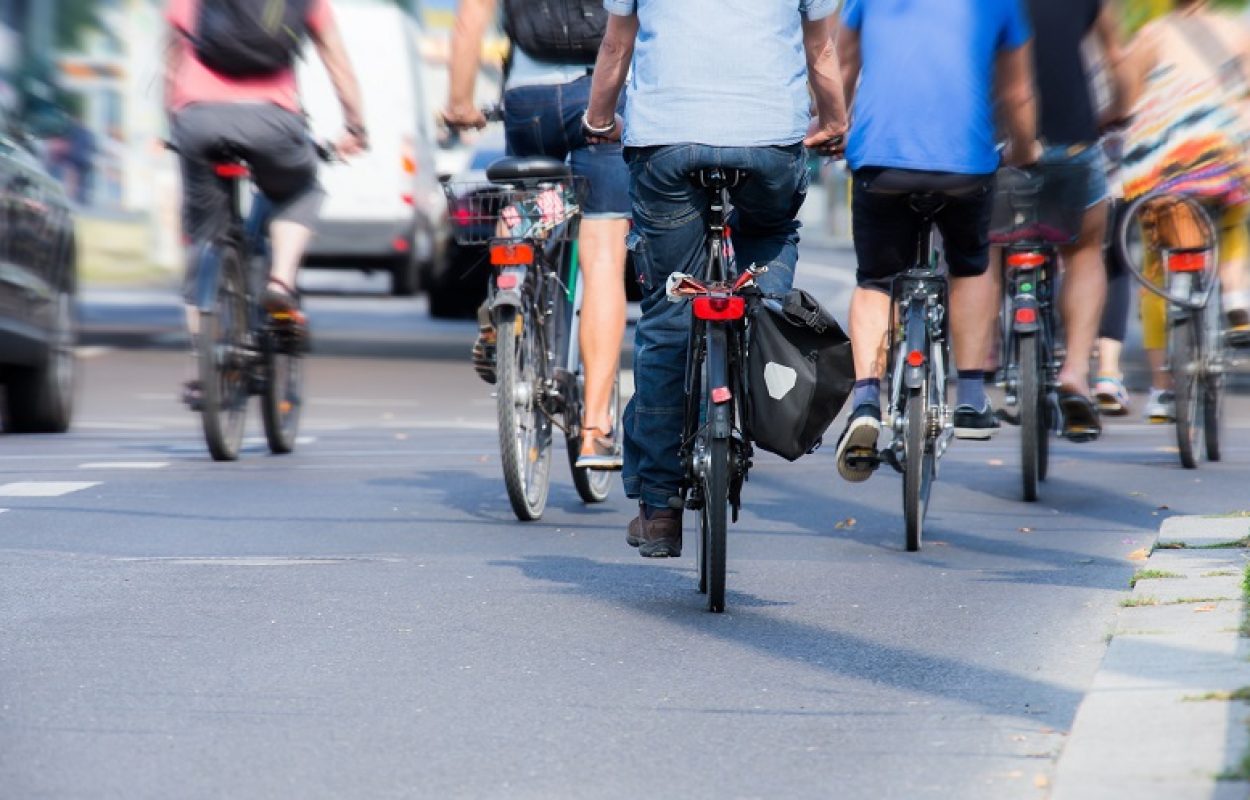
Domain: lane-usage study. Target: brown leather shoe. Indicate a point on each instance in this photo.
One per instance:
(659, 535)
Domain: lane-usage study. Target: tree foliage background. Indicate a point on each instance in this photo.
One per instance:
(1138, 12)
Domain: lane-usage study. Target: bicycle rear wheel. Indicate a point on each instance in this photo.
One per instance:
(524, 430)
(283, 397)
(1032, 414)
(1183, 354)
(713, 521)
(594, 485)
(222, 359)
(1213, 380)
(917, 468)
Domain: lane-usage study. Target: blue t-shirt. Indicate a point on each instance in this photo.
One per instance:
(925, 98)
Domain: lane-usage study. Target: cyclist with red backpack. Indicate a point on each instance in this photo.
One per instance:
(547, 90)
(230, 83)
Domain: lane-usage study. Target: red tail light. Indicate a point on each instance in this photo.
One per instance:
(1187, 262)
(1028, 260)
(915, 359)
(507, 280)
(399, 244)
(720, 309)
(231, 170)
(1026, 315)
(511, 255)
(462, 217)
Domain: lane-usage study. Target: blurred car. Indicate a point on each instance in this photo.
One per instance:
(384, 209)
(38, 287)
(458, 284)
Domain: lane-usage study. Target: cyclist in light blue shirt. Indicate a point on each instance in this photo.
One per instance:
(715, 83)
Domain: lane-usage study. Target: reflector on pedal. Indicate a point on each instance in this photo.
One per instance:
(721, 394)
(511, 255)
(720, 309)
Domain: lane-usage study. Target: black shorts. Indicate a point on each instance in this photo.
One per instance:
(886, 230)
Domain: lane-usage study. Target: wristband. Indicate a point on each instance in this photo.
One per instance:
(592, 130)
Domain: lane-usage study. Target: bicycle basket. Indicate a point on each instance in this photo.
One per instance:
(1044, 204)
(483, 211)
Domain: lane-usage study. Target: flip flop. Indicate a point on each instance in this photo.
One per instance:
(1080, 417)
(606, 455)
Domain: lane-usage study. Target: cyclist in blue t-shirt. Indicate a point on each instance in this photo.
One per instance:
(923, 78)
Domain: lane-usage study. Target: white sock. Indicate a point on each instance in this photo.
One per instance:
(1235, 300)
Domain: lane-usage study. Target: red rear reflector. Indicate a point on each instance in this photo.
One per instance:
(1025, 260)
(506, 280)
(231, 170)
(408, 199)
(720, 309)
(1026, 316)
(399, 244)
(511, 255)
(915, 359)
(1187, 262)
(721, 394)
(462, 217)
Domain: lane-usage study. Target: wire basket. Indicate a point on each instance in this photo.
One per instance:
(484, 211)
(1044, 204)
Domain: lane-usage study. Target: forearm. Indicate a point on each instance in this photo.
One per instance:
(173, 61)
(824, 73)
(1019, 116)
(851, 63)
(339, 67)
(472, 17)
(611, 68)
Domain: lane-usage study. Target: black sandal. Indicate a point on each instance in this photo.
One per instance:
(280, 298)
(1080, 417)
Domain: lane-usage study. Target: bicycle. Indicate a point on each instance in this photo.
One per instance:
(918, 414)
(241, 349)
(716, 451)
(1197, 354)
(1036, 211)
(529, 218)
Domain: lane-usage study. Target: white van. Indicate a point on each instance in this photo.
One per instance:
(384, 209)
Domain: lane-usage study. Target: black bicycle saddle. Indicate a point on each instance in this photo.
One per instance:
(516, 169)
(907, 181)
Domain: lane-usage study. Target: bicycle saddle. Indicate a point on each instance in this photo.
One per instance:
(914, 182)
(718, 178)
(516, 169)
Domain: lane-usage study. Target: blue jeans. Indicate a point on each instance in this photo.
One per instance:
(670, 235)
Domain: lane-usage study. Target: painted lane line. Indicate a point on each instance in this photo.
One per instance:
(92, 351)
(44, 488)
(125, 465)
(116, 426)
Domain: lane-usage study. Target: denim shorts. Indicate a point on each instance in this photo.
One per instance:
(546, 120)
(1092, 160)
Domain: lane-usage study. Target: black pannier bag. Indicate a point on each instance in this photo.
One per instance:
(799, 374)
(250, 38)
(559, 31)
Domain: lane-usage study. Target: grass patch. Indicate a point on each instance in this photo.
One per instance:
(1150, 575)
(1241, 772)
(1180, 601)
(1136, 602)
(1237, 544)
(1241, 695)
(1221, 573)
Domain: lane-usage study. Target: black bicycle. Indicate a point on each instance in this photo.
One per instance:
(242, 349)
(529, 217)
(715, 445)
(918, 415)
(1187, 278)
(1036, 211)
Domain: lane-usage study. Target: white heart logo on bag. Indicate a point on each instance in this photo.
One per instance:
(779, 379)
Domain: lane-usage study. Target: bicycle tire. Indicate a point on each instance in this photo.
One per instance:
(222, 368)
(916, 468)
(594, 485)
(1032, 414)
(524, 430)
(1183, 361)
(715, 521)
(283, 397)
(1213, 380)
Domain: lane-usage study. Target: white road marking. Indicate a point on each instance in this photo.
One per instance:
(257, 561)
(115, 426)
(124, 465)
(3, 510)
(92, 351)
(44, 488)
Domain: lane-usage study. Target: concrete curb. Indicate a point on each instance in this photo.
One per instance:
(1157, 721)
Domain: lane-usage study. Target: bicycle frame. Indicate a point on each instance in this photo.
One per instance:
(1029, 306)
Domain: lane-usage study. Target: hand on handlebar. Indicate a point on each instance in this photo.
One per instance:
(350, 144)
(826, 138)
(459, 117)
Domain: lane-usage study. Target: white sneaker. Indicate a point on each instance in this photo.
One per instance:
(1161, 407)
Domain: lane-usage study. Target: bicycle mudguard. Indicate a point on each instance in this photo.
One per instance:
(917, 346)
(1026, 314)
(718, 388)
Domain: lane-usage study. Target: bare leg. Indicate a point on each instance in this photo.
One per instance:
(870, 321)
(1109, 358)
(288, 240)
(974, 319)
(602, 253)
(1083, 294)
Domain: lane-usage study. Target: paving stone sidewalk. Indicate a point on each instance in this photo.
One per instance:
(1167, 715)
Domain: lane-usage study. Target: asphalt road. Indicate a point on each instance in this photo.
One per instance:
(364, 618)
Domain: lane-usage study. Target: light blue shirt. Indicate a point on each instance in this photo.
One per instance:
(728, 73)
(925, 97)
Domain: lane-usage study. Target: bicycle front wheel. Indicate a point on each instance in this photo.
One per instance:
(524, 429)
(223, 362)
(1032, 414)
(713, 522)
(283, 397)
(917, 468)
(1183, 354)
